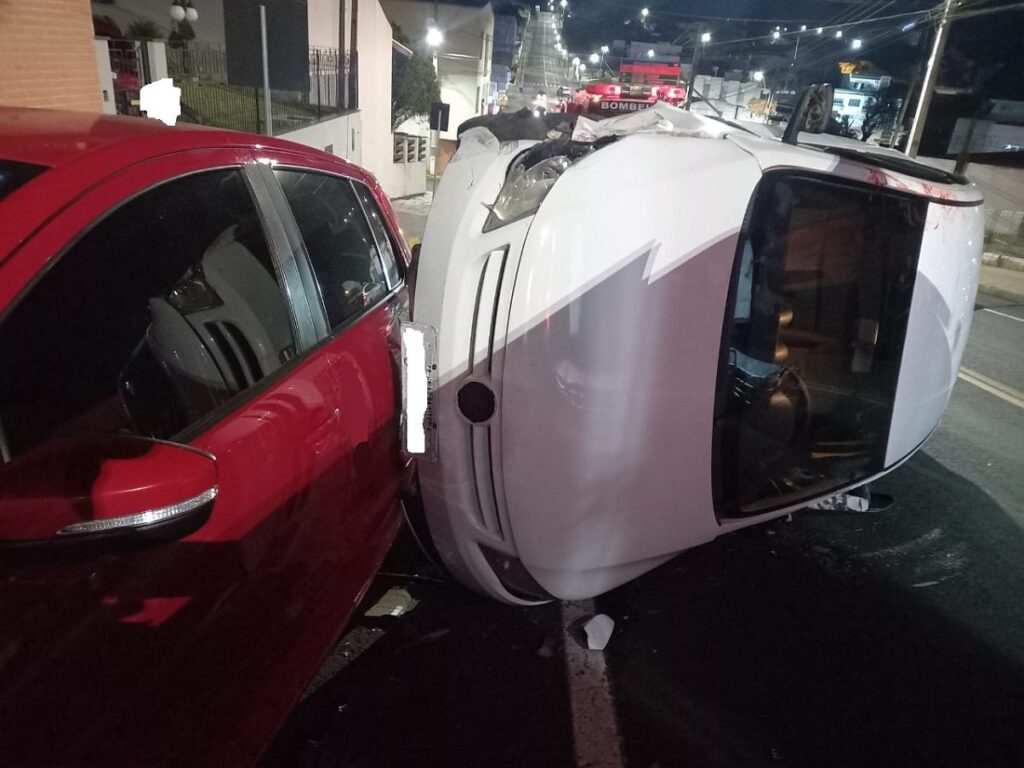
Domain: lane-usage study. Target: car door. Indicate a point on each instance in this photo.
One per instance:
(167, 303)
(354, 267)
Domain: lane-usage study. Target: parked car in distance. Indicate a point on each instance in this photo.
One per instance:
(200, 467)
(660, 328)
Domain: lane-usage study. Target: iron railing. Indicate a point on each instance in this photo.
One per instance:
(209, 98)
(1004, 233)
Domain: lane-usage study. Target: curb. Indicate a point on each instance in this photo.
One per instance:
(1002, 261)
(1001, 293)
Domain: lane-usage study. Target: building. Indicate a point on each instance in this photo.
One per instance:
(463, 58)
(329, 60)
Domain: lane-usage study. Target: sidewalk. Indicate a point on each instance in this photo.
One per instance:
(1002, 277)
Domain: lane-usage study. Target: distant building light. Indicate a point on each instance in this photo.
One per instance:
(650, 53)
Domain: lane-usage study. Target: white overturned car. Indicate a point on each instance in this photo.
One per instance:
(671, 328)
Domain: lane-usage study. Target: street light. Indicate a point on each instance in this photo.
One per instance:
(839, 34)
(182, 10)
(819, 30)
(759, 76)
(604, 49)
(650, 53)
(705, 37)
(434, 37)
(563, 4)
(594, 58)
(643, 13)
(803, 27)
(856, 43)
(776, 35)
(575, 61)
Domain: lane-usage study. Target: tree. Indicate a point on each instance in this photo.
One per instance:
(414, 85)
(881, 109)
(144, 29)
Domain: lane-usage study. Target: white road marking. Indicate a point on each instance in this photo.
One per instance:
(993, 387)
(1003, 314)
(595, 730)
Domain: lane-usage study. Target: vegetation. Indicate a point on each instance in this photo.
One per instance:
(414, 85)
(881, 110)
(144, 29)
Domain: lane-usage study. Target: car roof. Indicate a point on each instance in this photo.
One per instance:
(55, 138)
(79, 149)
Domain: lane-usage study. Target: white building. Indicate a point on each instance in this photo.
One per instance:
(361, 135)
(463, 58)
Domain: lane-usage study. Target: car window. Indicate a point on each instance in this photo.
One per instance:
(380, 231)
(14, 175)
(814, 340)
(157, 315)
(341, 246)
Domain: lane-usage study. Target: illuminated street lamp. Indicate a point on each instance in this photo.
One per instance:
(604, 49)
(594, 58)
(803, 27)
(705, 38)
(819, 30)
(575, 61)
(839, 34)
(856, 43)
(650, 53)
(182, 10)
(776, 35)
(759, 76)
(563, 4)
(434, 37)
(644, 13)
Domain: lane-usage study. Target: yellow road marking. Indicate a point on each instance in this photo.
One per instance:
(993, 387)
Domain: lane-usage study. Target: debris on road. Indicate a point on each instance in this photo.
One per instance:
(598, 631)
(395, 602)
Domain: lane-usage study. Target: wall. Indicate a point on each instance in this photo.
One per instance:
(209, 28)
(47, 55)
(342, 134)
(324, 23)
(464, 59)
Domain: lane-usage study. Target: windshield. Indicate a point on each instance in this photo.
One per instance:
(14, 174)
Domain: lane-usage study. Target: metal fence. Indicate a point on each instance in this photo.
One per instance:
(209, 98)
(1004, 233)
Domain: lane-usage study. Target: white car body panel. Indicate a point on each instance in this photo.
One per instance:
(597, 324)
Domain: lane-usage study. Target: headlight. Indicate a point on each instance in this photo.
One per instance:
(524, 190)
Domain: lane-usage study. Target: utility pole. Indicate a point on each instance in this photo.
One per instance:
(931, 75)
(693, 70)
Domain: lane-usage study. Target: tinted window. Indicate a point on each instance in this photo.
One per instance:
(341, 245)
(380, 231)
(13, 175)
(157, 315)
(813, 341)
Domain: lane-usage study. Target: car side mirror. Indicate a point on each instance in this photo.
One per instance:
(812, 112)
(95, 495)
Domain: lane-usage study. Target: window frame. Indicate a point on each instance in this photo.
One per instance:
(285, 260)
(305, 263)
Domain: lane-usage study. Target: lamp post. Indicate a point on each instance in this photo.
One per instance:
(705, 38)
(434, 39)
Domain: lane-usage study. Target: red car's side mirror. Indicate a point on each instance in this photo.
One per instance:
(97, 494)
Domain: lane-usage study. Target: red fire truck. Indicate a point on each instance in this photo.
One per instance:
(642, 85)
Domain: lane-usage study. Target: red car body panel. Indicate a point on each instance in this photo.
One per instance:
(192, 652)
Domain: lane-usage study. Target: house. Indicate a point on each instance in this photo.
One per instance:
(329, 65)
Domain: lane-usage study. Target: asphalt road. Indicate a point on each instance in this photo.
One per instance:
(541, 68)
(825, 640)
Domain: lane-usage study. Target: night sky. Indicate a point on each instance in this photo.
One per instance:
(988, 48)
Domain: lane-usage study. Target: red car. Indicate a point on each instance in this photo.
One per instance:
(198, 428)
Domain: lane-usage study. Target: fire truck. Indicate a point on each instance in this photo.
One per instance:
(610, 99)
(641, 86)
